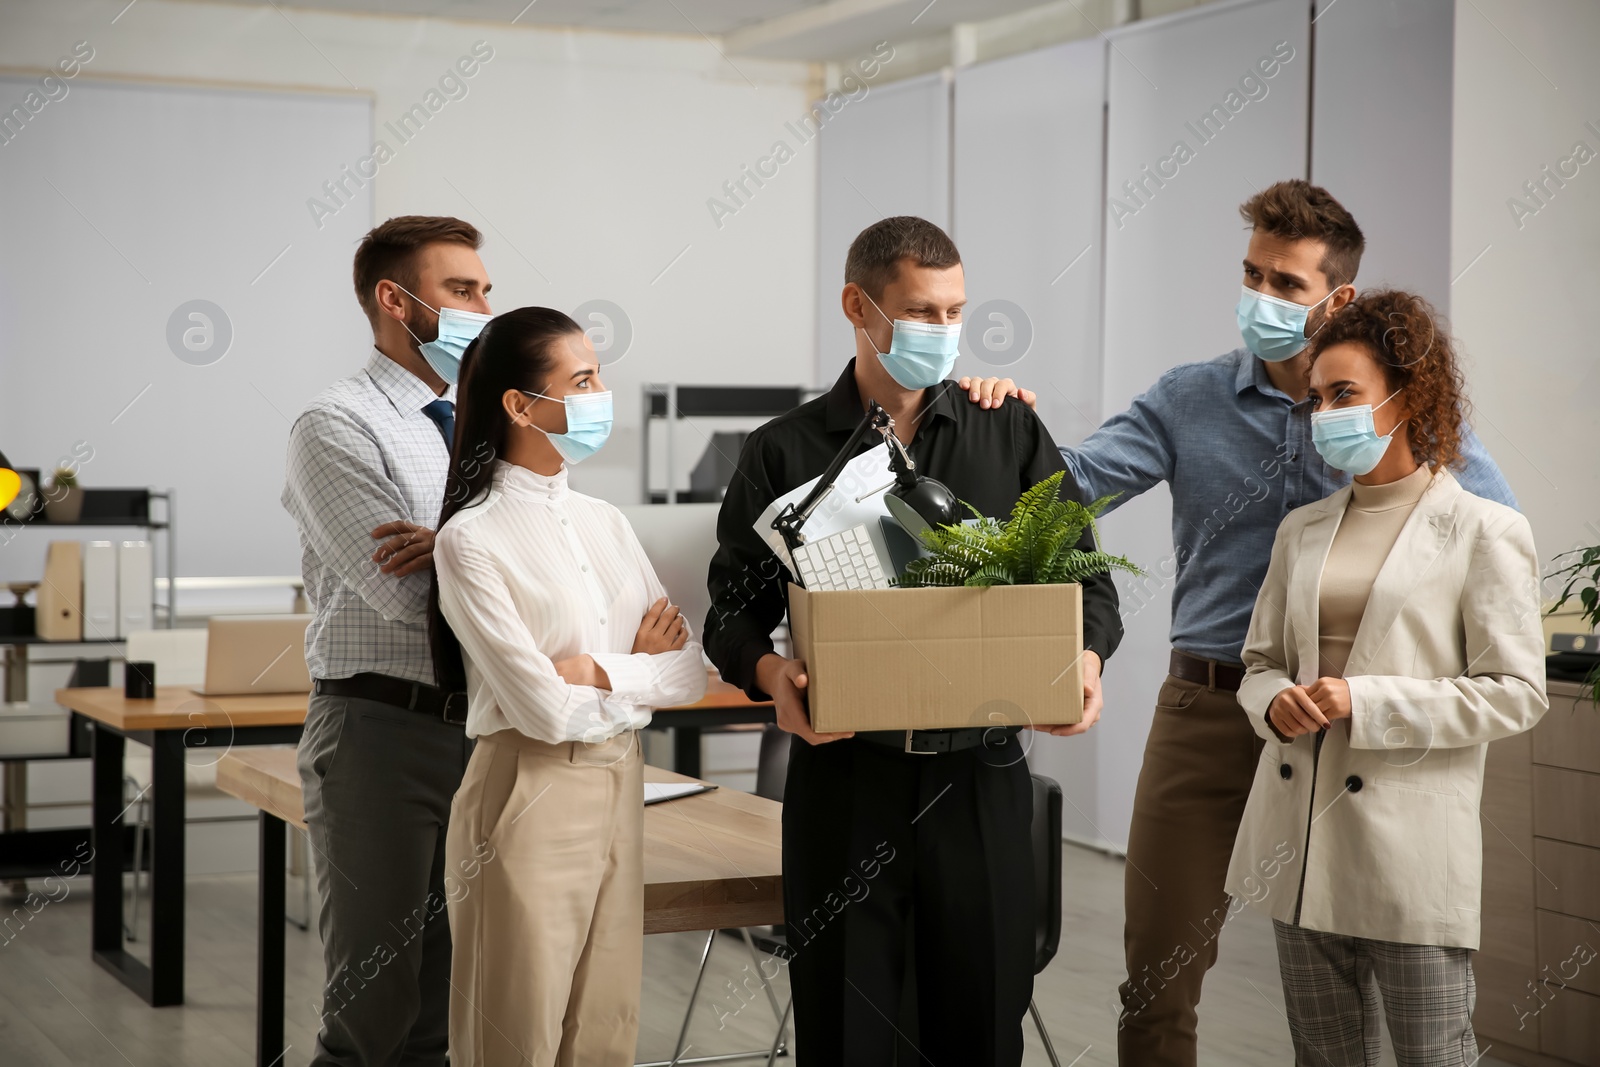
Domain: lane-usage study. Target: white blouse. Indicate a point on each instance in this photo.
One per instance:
(535, 573)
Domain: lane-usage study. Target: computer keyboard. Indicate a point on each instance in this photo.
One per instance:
(846, 560)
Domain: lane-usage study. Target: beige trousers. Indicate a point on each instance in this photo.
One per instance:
(548, 927)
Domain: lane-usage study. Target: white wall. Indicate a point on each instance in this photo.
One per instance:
(1527, 93)
(1382, 93)
(1027, 161)
(588, 159)
(1172, 280)
(886, 153)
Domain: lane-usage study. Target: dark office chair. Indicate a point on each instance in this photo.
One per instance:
(1046, 888)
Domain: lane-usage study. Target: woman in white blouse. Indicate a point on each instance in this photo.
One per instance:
(546, 610)
(1397, 634)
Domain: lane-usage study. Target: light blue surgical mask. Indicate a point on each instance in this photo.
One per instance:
(921, 354)
(1273, 329)
(1347, 439)
(457, 330)
(588, 424)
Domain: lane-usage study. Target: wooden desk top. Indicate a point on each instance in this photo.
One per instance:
(711, 860)
(178, 707)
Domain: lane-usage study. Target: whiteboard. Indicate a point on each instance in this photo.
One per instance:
(885, 154)
(124, 202)
(1028, 154)
(1172, 277)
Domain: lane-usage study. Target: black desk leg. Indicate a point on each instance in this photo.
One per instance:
(167, 866)
(106, 840)
(686, 750)
(270, 942)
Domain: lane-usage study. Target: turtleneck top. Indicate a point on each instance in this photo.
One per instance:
(1367, 532)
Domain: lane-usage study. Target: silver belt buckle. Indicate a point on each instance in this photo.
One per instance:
(913, 751)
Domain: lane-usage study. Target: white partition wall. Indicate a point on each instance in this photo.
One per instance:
(1027, 162)
(1380, 134)
(142, 202)
(1194, 127)
(887, 153)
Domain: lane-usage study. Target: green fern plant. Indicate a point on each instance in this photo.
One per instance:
(1037, 545)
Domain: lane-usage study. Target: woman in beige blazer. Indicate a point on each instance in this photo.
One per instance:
(1397, 633)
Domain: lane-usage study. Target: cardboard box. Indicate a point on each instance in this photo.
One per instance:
(902, 659)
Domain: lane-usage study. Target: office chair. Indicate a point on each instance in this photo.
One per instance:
(1046, 888)
(772, 772)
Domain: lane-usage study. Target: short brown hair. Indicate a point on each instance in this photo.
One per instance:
(874, 258)
(1411, 343)
(1296, 209)
(389, 251)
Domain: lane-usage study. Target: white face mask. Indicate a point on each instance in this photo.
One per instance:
(457, 330)
(1347, 438)
(921, 354)
(589, 420)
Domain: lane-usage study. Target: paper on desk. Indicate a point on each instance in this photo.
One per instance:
(857, 497)
(658, 791)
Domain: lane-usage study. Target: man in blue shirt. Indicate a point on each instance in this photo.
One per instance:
(1232, 439)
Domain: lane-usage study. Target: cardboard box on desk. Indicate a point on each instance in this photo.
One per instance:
(902, 659)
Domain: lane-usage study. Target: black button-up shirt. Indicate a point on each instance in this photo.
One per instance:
(987, 458)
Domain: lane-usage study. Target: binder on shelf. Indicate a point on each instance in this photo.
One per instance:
(59, 601)
(99, 589)
(135, 568)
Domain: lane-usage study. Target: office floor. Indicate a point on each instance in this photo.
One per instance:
(58, 1008)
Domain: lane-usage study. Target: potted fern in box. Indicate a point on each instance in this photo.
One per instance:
(1037, 545)
(987, 630)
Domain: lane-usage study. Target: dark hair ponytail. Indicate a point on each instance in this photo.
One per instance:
(512, 352)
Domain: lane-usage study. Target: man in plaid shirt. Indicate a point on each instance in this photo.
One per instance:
(383, 749)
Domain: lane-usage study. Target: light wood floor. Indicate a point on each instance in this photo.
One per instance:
(57, 1009)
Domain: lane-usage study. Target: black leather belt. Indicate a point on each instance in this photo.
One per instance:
(397, 692)
(1207, 672)
(931, 742)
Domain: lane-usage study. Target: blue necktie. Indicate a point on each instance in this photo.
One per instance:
(443, 413)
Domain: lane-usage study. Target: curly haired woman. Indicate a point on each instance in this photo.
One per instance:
(1396, 635)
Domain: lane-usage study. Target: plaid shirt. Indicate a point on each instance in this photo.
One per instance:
(364, 453)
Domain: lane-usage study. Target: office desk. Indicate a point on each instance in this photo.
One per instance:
(724, 704)
(176, 720)
(710, 861)
(173, 722)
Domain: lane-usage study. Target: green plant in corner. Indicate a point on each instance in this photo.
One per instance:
(1583, 581)
(1037, 545)
(65, 477)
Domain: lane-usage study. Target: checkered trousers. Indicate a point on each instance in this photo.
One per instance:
(1339, 990)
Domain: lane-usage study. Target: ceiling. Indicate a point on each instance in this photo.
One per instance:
(776, 29)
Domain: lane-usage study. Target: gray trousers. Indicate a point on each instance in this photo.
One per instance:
(1331, 992)
(378, 781)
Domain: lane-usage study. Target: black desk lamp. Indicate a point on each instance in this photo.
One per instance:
(917, 503)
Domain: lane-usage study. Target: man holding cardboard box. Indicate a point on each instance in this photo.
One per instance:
(904, 838)
(1232, 438)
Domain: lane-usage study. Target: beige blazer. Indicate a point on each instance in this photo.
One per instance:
(1382, 825)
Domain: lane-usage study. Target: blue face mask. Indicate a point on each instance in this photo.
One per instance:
(1347, 439)
(921, 354)
(1273, 329)
(457, 330)
(588, 424)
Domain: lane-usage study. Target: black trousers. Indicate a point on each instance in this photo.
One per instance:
(889, 855)
(378, 782)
